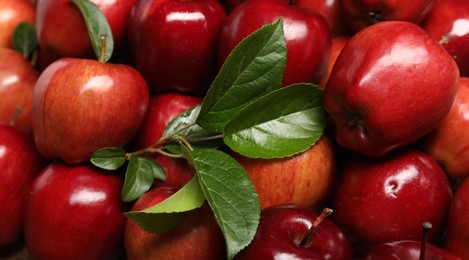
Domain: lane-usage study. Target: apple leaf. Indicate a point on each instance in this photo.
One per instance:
(230, 193)
(140, 174)
(280, 124)
(254, 68)
(108, 158)
(24, 38)
(98, 27)
(168, 213)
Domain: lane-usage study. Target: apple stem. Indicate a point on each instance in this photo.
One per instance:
(423, 247)
(103, 48)
(292, 2)
(444, 39)
(18, 111)
(324, 214)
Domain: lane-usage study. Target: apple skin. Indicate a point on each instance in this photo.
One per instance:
(75, 212)
(82, 105)
(447, 144)
(20, 162)
(173, 43)
(379, 199)
(391, 85)
(363, 13)
(12, 13)
(198, 236)
(338, 44)
(450, 18)
(17, 80)
(283, 226)
(307, 36)
(304, 179)
(409, 250)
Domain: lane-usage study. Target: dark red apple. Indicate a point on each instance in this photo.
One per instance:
(307, 36)
(17, 80)
(391, 85)
(82, 105)
(173, 43)
(12, 13)
(198, 236)
(75, 212)
(450, 19)
(363, 13)
(20, 162)
(282, 231)
(387, 198)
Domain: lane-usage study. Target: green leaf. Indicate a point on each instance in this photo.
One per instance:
(140, 174)
(231, 195)
(24, 38)
(98, 27)
(168, 213)
(108, 158)
(254, 68)
(281, 124)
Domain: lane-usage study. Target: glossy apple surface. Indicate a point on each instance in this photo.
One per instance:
(307, 36)
(391, 84)
(457, 236)
(281, 230)
(82, 105)
(387, 198)
(75, 212)
(173, 43)
(12, 13)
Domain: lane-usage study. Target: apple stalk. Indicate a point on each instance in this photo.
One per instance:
(426, 228)
(324, 214)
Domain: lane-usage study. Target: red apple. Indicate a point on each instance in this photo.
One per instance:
(282, 231)
(17, 80)
(304, 179)
(173, 43)
(387, 198)
(75, 212)
(447, 144)
(20, 162)
(307, 36)
(363, 13)
(82, 105)
(12, 13)
(450, 19)
(391, 85)
(198, 236)
(338, 44)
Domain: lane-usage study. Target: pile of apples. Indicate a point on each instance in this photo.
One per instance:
(386, 178)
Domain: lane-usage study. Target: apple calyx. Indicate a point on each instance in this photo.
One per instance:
(375, 17)
(314, 227)
(426, 231)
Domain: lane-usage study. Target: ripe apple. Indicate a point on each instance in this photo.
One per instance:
(307, 36)
(173, 43)
(81, 105)
(447, 144)
(198, 236)
(304, 179)
(387, 198)
(282, 231)
(20, 162)
(362, 13)
(391, 85)
(75, 212)
(17, 80)
(450, 19)
(338, 44)
(12, 13)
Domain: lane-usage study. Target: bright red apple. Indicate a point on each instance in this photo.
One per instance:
(307, 36)
(12, 13)
(198, 236)
(75, 212)
(391, 85)
(173, 43)
(284, 232)
(338, 44)
(82, 105)
(387, 198)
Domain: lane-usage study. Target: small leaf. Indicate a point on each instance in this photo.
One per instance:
(140, 174)
(254, 68)
(24, 38)
(168, 213)
(231, 195)
(280, 124)
(108, 158)
(98, 27)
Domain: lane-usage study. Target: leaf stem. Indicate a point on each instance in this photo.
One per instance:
(208, 138)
